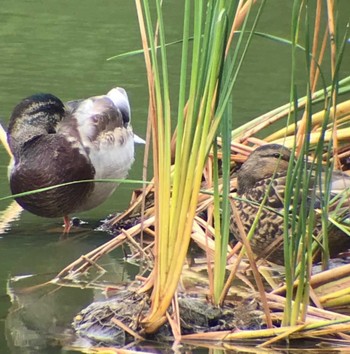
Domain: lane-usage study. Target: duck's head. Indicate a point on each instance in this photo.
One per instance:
(262, 163)
(102, 113)
(32, 117)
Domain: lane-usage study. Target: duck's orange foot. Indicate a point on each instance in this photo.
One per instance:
(67, 225)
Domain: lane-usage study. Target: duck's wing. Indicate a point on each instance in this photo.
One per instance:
(270, 189)
(340, 181)
(339, 204)
(338, 185)
(275, 190)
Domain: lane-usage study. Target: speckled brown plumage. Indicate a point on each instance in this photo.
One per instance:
(264, 172)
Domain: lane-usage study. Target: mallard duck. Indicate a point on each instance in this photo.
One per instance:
(53, 143)
(264, 172)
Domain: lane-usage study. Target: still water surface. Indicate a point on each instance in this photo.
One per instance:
(61, 47)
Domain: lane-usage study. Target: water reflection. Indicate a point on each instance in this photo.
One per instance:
(41, 313)
(8, 216)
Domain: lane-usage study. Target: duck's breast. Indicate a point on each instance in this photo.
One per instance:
(112, 156)
(107, 137)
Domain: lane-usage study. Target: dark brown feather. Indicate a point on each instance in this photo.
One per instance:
(40, 166)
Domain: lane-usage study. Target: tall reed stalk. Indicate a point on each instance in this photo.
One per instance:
(210, 64)
(302, 175)
(202, 113)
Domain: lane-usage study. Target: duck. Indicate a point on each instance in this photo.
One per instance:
(53, 143)
(265, 173)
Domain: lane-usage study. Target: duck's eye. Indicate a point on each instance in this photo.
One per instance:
(97, 118)
(277, 155)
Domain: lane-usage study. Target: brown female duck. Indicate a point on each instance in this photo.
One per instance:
(53, 143)
(264, 173)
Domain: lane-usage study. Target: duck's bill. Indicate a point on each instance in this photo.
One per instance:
(138, 140)
(3, 140)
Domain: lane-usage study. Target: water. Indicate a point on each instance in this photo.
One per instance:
(61, 47)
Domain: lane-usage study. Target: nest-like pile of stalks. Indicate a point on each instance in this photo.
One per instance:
(328, 315)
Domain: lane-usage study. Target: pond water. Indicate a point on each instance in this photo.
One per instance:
(61, 47)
